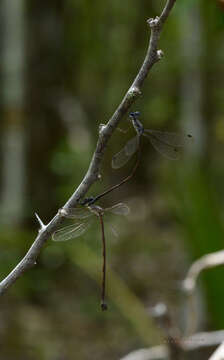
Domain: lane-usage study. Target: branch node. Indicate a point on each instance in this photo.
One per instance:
(154, 22)
(160, 54)
(42, 226)
(62, 212)
(133, 92)
(102, 128)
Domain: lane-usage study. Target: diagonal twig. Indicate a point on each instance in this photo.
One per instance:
(194, 347)
(152, 56)
(205, 262)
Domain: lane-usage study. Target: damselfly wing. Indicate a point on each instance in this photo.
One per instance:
(85, 215)
(170, 138)
(168, 144)
(122, 157)
(119, 209)
(77, 213)
(70, 232)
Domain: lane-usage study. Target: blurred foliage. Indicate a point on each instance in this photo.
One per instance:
(81, 57)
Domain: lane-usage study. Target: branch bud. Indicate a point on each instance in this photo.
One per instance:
(133, 92)
(160, 54)
(153, 22)
(62, 212)
(102, 127)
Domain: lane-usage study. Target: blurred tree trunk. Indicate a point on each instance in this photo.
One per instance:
(191, 49)
(13, 85)
(198, 198)
(45, 89)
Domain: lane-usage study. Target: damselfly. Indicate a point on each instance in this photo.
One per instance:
(84, 215)
(166, 143)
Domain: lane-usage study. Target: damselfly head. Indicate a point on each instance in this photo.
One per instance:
(134, 114)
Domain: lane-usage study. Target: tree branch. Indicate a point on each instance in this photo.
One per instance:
(152, 56)
(205, 262)
(194, 347)
(218, 354)
(189, 284)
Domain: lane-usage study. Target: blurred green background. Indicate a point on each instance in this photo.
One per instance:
(64, 68)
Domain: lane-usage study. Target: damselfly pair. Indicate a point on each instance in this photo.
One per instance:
(83, 217)
(166, 143)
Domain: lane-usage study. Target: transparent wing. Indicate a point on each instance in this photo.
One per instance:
(114, 231)
(122, 157)
(169, 151)
(132, 146)
(119, 209)
(170, 138)
(77, 213)
(70, 232)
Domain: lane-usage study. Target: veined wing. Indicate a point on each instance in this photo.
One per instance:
(122, 157)
(169, 151)
(170, 138)
(70, 232)
(114, 231)
(119, 209)
(77, 213)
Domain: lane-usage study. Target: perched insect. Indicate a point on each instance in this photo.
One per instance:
(84, 215)
(166, 143)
